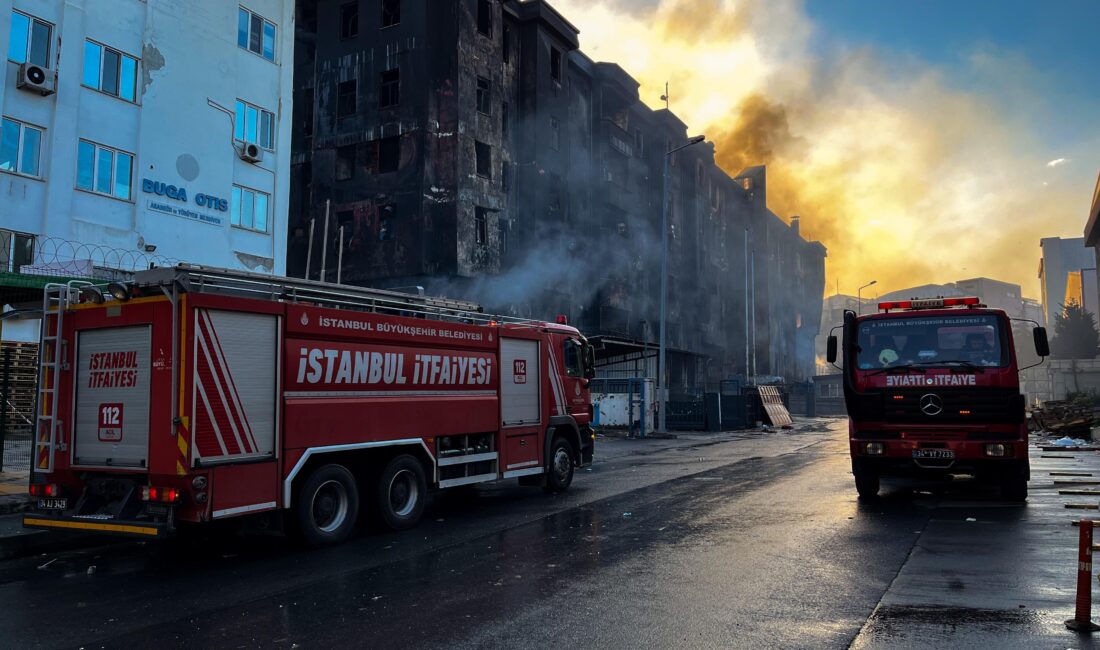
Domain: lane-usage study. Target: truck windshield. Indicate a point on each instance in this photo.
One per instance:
(930, 341)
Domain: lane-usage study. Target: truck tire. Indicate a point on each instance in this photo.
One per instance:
(867, 484)
(1014, 488)
(401, 492)
(327, 506)
(559, 465)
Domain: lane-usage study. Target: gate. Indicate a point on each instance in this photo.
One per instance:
(18, 380)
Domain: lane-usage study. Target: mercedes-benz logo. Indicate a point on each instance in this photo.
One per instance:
(931, 404)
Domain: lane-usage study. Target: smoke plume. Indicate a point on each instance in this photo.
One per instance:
(905, 175)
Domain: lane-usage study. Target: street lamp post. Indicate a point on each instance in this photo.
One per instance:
(859, 295)
(662, 384)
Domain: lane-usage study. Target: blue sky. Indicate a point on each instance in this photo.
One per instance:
(1060, 39)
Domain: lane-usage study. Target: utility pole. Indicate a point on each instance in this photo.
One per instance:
(662, 369)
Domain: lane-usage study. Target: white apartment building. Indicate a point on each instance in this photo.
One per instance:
(148, 126)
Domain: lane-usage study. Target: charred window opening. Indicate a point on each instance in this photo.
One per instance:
(506, 44)
(349, 20)
(485, 17)
(389, 154)
(555, 134)
(390, 93)
(505, 175)
(484, 154)
(503, 237)
(391, 13)
(346, 93)
(345, 218)
(555, 64)
(307, 112)
(386, 222)
(639, 141)
(481, 224)
(345, 162)
(484, 96)
(504, 119)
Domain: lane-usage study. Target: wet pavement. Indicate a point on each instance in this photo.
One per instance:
(707, 541)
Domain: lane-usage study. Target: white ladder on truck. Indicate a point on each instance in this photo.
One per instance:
(51, 361)
(203, 279)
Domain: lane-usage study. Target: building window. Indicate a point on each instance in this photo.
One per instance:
(483, 96)
(389, 154)
(346, 93)
(254, 125)
(506, 44)
(104, 170)
(349, 20)
(386, 231)
(485, 17)
(555, 134)
(30, 40)
(345, 162)
(110, 71)
(484, 155)
(20, 148)
(391, 13)
(390, 93)
(639, 139)
(481, 225)
(256, 34)
(555, 64)
(505, 175)
(249, 209)
(16, 250)
(504, 108)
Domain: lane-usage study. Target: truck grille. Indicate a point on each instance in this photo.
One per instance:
(977, 406)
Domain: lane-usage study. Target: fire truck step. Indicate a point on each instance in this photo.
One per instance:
(468, 458)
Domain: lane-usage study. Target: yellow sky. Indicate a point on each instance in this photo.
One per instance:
(906, 178)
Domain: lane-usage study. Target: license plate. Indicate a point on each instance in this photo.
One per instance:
(933, 453)
(53, 504)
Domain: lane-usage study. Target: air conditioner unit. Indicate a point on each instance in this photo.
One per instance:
(38, 79)
(251, 152)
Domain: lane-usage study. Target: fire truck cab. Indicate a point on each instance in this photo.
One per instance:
(932, 391)
(192, 395)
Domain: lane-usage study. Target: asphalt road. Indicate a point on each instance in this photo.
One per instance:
(732, 540)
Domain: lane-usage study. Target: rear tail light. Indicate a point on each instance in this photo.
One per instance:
(160, 494)
(45, 490)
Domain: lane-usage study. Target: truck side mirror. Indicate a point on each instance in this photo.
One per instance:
(830, 349)
(589, 362)
(1042, 345)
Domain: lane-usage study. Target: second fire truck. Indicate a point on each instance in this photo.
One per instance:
(193, 395)
(932, 389)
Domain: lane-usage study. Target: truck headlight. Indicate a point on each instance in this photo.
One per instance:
(874, 448)
(996, 450)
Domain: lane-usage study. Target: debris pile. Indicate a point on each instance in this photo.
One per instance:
(1063, 418)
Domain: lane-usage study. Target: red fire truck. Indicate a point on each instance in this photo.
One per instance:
(192, 395)
(933, 391)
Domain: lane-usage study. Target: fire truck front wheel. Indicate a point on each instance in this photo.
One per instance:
(560, 466)
(327, 506)
(401, 492)
(867, 482)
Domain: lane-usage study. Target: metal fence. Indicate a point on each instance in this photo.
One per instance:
(18, 381)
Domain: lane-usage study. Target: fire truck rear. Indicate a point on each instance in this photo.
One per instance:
(933, 392)
(193, 395)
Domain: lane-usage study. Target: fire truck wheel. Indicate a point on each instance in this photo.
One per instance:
(1014, 489)
(327, 506)
(867, 484)
(401, 492)
(559, 472)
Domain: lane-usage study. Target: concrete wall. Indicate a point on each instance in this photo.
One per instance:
(180, 129)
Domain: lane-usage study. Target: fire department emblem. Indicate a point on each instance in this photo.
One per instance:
(305, 319)
(577, 389)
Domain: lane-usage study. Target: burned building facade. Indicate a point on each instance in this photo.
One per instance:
(469, 147)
